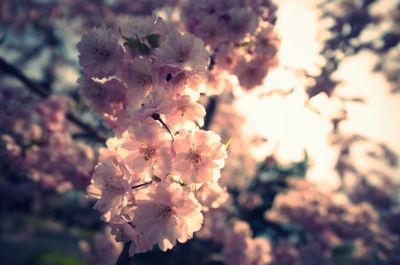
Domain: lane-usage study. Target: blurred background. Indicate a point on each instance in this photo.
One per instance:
(320, 178)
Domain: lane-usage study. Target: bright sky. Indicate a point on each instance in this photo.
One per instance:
(290, 127)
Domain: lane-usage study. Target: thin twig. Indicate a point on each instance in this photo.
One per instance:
(11, 70)
(157, 117)
(141, 185)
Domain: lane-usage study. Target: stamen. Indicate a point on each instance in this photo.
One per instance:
(196, 158)
(148, 152)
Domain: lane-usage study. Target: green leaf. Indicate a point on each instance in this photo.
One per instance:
(153, 40)
(137, 45)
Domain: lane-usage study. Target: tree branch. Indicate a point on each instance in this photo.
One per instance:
(210, 111)
(11, 70)
(124, 258)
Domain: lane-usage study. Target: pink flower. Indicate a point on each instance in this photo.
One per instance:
(108, 100)
(199, 156)
(166, 213)
(258, 251)
(104, 98)
(240, 22)
(124, 231)
(211, 196)
(94, 93)
(211, 30)
(100, 53)
(112, 186)
(156, 102)
(52, 112)
(214, 224)
(147, 95)
(251, 73)
(267, 43)
(182, 51)
(141, 27)
(241, 248)
(183, 109)
(111, 149)
(147, 149)
(137, 75)
(226, 57)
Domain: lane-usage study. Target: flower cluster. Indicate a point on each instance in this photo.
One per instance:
(239, 34)
(236, 238)
(41, 12)
(101, 249)
(241, 248)
(330, 221)
(30, 133)
(160, 173)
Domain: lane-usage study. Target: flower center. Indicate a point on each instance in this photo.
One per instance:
(196, 158)
(103, 53)
(165, 212)
(144, 80)
(182, 109)
(264, 42)
(229, 60)
(148, 152)
(251, 71)
(114, 189)
(183, 56)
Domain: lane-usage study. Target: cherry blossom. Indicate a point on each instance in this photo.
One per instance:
(142, 182)
(184, 108)
(144, 147)
(124, 231)
(211, 196)
(100, 53)
(199, 156)
(137, 75)
(166, 213)
(183, 52)
(111, 184)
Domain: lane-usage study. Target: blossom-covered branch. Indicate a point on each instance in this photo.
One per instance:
(156, 175)
(9, 69)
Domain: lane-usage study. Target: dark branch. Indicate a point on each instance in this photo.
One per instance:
(210, 111)
(124, 258)
(90, 130)
(11, 70)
